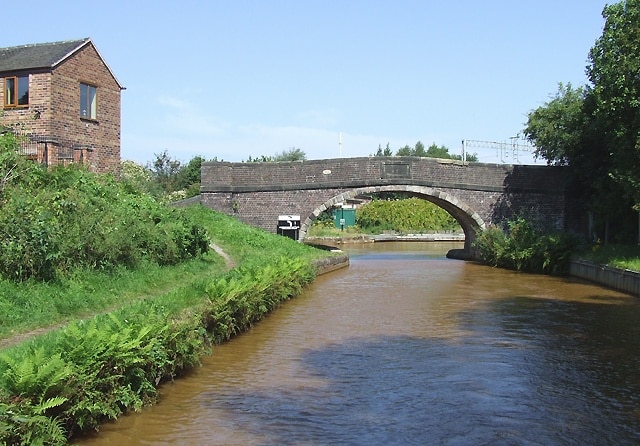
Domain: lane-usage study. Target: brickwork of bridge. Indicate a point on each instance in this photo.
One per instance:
(475, 194)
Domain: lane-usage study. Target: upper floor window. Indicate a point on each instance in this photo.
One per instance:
(88, 105)
(16, 91)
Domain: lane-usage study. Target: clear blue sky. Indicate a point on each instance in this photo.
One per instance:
(240, 78)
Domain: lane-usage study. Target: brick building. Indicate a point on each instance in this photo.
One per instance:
(65, 100)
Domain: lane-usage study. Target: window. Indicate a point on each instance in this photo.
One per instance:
(88, 106)
(16, 91)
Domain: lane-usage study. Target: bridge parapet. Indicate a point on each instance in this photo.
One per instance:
(373, 171)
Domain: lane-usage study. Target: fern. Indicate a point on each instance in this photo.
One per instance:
(25, 424)
(49, 403)
(34, 375)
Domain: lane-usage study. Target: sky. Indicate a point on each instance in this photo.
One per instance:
(237, 79)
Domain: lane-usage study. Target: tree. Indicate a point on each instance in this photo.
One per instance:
(164, 170)
(386, 152)
(166, 178)
(292, 154)
(614, 73)
(595, 130)
(405, 151)
(418, 150)
(558, 126)
(260, 159)
(435, 151)
(189, 174)
(471, 157)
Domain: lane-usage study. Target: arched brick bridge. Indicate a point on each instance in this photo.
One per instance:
(475, 194)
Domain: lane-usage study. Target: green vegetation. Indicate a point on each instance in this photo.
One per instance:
(125, 291)
(33, 305)
(73, 378)
(410, 215)
(326, 228)
(55, 222)
(595, 130)
(434, 151)
(292, 154)
(520, 247)
(523, 248)
(618, 256)
(390, 212)
(166, 179)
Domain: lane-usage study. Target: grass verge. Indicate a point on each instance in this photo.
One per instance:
(618, 256)
(32, 305)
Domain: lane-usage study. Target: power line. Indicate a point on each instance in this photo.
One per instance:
(504, 149)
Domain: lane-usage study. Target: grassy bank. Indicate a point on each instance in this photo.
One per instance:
(152, 325)
(618, 256)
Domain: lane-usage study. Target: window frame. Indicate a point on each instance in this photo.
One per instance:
(15, 101)
(90, 108)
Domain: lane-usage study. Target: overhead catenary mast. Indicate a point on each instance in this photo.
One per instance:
(504, 149)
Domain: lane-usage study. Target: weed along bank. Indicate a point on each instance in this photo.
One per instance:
(67, 382)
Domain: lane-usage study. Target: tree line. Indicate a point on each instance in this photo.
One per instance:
(433, 151)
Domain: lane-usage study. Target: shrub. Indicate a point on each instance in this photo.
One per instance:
(523, 248)
(28, 235)
(71, 219)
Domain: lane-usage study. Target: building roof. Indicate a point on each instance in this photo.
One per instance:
(43, 55)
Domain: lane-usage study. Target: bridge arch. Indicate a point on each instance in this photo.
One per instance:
(469, 219)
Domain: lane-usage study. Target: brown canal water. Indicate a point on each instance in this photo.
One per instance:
(407, 347)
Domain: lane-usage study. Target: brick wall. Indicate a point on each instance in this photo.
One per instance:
(102, 135)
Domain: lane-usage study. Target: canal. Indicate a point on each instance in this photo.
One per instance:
(407, 347)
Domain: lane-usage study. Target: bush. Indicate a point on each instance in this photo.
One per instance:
(523, 248)
(68, 219)
(28, 238)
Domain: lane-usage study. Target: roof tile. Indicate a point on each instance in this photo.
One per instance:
(39, 55)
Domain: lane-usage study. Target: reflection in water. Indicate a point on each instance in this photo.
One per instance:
(407, 347)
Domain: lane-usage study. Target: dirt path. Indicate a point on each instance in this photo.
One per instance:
(229, 261)
(19, 338)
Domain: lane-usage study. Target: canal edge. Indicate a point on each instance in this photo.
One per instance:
(328, 264)
(624, 280)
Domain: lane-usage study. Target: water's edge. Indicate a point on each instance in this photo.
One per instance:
(624, 280)
(619, 279)
(328, 264)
